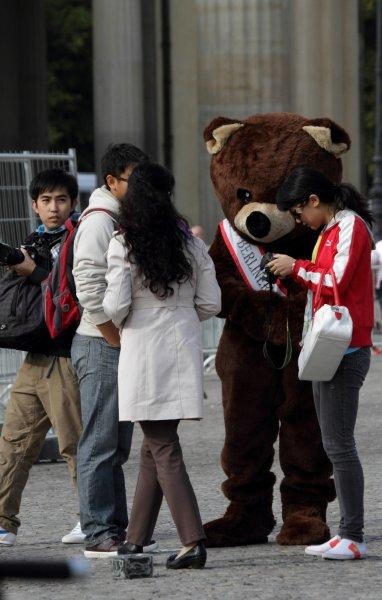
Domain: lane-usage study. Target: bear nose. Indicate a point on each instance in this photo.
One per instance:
(258, 224)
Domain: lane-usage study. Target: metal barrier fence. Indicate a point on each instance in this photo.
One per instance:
(212, 330)
(17, 220)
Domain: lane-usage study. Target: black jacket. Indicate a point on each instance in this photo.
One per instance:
(42, 245)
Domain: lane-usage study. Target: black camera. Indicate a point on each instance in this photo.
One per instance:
(270, 277)
(10, 256)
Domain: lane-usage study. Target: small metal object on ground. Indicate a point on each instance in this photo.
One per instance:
(133, 566)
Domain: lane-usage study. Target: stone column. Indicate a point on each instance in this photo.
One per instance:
(325, 68)
(23, 95)
(152, 85)
(185, 126)
(118, 74)
(9, 109)
(243, 69)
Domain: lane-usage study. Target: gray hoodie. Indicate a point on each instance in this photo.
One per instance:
(90, 260)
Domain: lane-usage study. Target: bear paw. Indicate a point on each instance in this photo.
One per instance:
(227, 532)
(301, 530)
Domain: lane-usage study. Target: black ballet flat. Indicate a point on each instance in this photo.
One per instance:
(127, 548)
(193, 559)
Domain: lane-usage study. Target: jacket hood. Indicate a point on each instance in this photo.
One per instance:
(103, 198)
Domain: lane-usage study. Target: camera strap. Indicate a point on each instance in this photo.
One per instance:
(288, 349)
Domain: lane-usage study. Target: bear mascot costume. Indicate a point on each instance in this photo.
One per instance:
(261, 400)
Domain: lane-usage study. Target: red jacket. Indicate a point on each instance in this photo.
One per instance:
(345, 246)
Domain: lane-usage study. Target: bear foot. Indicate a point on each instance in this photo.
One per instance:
(301, 530)
(221, 533)
(238, 528)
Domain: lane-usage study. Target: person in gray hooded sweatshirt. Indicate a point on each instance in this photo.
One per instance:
(105, 443)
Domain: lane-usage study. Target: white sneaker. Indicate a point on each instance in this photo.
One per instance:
(319, 550)
(346, 550)
(153, 545)
(76, 536)
(7, 538)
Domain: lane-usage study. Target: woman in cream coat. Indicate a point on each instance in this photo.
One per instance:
(161, 284)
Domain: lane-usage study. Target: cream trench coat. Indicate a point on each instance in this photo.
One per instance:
(160, 374)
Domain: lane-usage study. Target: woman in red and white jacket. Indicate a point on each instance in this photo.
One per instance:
(344, 246)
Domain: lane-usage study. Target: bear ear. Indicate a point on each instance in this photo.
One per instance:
(329, 136)
(217, 133)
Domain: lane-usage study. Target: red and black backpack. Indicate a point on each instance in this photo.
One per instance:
(62, 311)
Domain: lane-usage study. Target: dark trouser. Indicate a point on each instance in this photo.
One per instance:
(105, 443)
(336, 405)
(162, 472)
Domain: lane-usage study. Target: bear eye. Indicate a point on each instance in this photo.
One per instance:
(244, 195)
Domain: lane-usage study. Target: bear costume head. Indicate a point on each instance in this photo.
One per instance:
(252, 157)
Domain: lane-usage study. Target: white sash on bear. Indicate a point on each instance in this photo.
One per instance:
(247, 258)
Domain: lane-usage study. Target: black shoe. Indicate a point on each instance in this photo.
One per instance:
(193, 559)
(127, 548)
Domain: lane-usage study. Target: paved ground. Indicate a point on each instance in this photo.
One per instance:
(267, 572)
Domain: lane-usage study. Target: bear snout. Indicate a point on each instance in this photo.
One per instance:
(263, 222)
(258, 224)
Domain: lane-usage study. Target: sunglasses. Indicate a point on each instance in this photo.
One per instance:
(293, 211)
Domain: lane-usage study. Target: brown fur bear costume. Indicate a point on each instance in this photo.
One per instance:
(250, 159)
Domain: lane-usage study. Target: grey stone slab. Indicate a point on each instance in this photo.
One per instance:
(267, 572)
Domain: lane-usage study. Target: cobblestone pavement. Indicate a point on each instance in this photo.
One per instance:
(266, 572)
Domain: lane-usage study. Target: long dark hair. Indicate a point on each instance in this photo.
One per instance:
(154, 232)
(304, 181)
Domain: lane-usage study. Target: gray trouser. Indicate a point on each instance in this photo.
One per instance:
(336, 404)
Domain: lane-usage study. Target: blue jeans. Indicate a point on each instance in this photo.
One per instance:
(105, 442)
(337, 405)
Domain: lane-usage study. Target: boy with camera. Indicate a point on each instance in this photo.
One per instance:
(45, 392)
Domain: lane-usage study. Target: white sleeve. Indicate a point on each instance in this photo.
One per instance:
(375, 259)
(89, 263)
(207, 297)
(117, 299)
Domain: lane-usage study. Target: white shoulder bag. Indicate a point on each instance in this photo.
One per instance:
(327, 339)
